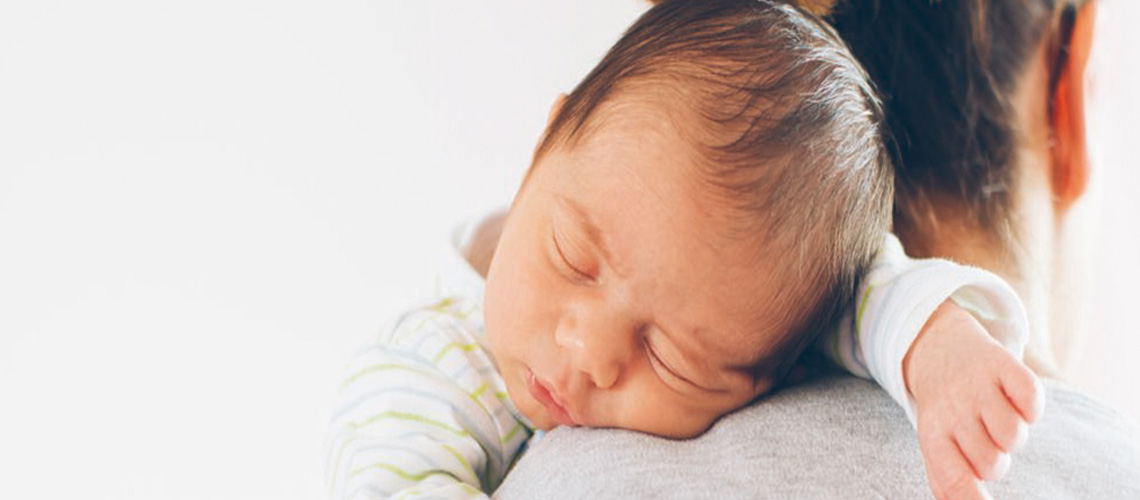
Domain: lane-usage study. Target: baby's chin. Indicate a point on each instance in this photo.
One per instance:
(537, 416)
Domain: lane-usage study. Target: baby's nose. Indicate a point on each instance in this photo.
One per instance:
(600, 347)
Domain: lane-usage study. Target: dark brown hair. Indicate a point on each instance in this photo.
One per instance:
(947, 72)
(786, 130)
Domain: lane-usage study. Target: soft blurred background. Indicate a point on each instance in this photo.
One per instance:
(205, 207)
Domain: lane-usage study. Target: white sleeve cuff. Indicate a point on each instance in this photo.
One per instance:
(903, 294)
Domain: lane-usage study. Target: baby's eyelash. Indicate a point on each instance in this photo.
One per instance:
(655, 359)
(565, 261)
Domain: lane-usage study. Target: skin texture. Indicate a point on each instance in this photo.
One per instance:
(614, 287)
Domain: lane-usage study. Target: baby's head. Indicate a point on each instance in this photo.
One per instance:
(699, 208)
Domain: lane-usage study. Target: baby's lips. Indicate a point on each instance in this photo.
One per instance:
(548, 400)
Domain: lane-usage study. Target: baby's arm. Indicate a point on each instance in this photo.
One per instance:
(421, 415)
(898, 332)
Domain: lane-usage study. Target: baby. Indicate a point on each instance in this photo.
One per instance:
(709, 200)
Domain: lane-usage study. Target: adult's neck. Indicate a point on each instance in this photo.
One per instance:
(1042, 263)
(1046, 260)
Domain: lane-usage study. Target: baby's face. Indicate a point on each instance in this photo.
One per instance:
(615, 297)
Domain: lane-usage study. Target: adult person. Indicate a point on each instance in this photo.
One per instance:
(985, 101)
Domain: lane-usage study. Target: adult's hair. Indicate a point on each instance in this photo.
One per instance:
(947, 71)
(784, 127)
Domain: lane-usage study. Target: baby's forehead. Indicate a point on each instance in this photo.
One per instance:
(672, 102)
(661, 115)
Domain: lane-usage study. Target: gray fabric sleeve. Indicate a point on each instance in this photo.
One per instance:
(834, 437)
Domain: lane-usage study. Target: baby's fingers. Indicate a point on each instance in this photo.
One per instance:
(987, 460)
(951, 476)
(1004, 424)
(1023, 389)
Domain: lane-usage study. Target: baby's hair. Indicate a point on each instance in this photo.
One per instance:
(786, 129)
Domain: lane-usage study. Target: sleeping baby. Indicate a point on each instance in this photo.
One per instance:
(710, 201)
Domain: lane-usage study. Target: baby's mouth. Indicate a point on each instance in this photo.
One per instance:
(542, 394)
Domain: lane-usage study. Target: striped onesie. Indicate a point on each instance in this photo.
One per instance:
(423, 413)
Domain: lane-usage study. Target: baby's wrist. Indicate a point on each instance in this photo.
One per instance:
(924, 361)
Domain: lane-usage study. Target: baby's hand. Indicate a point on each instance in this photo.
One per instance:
(974, 403)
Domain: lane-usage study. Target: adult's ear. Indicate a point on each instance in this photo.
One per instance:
(1070, 148)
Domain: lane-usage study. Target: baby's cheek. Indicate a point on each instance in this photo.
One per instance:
(498, 324)
(658, 410)
(679, 425)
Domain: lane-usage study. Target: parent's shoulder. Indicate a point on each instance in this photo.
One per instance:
(1082, 441)
(819, 439)
(1075, 404)
(835, 436)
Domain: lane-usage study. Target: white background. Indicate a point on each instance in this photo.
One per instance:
(206, 206)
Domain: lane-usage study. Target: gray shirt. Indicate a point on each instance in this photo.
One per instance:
(834, 437)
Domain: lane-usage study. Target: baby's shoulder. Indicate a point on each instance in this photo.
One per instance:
(449, 316)
(444, 331)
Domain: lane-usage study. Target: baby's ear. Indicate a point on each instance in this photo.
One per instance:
(555, 108)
